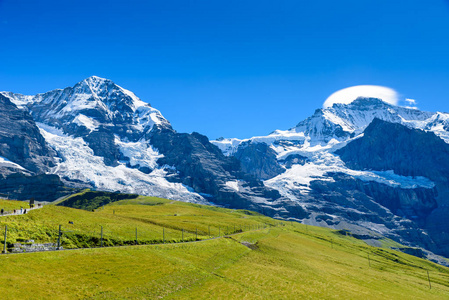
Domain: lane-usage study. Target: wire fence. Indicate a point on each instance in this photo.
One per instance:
(64, 237)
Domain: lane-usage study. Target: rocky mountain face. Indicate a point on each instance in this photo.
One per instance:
(21, 141)
(408, 152)
(369, 167)
(25, 157)
(259, 160)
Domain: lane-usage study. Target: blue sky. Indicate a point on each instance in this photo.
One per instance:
(230, 68)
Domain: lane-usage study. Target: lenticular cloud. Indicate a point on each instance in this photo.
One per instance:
(349, 94)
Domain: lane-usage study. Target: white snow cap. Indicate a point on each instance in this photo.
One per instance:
(350, 94)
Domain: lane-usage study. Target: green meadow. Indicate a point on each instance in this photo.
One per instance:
(156, 220)
(268, 260)
(10, 205)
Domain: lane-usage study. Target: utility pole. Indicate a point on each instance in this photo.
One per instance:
(196, 234)
(101, 243)
(209, 231)
(136, 235)
(163, 234)
(183, 235)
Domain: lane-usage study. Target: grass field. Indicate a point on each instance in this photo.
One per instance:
(288, 261)
(10, 205)
(155, 219)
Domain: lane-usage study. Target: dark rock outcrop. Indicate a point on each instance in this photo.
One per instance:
(391, 146)
(41, 187)
(20, 139)
(102, 143)
(259, 160)
(294, 159)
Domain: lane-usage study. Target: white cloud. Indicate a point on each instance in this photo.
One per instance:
(410, 101)
(350, 94)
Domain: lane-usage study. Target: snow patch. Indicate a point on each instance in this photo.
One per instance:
(234, 184)
(87, 122)
(140, 154)
(298, 177)
(4, 162)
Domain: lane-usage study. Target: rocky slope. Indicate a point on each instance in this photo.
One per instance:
(20, 139)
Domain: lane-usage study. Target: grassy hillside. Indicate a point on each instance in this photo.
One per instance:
(155, 219)
(283, 262)
(10, 205)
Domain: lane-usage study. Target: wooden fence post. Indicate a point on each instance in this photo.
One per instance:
(6, 232)
(59, 238)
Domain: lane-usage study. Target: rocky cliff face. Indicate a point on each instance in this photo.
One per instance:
(390, 146)
(370, 208)
(411, 152)
(20, 139)
(42, 187)
(259, 160)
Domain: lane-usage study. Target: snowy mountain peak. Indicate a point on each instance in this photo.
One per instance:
(331, 127)
(366, 102)
(96, 80)
(89, 105)
(100, 89)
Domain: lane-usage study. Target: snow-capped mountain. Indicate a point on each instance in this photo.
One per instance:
(92, 103)
(339, 123)
(97, 134)
(314, 167)
(98, 129)
(317, 138)
(100, 135)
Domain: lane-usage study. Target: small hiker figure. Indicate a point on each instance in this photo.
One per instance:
(2, 211)
(25, 211)
(14, 211)
(21, 209)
